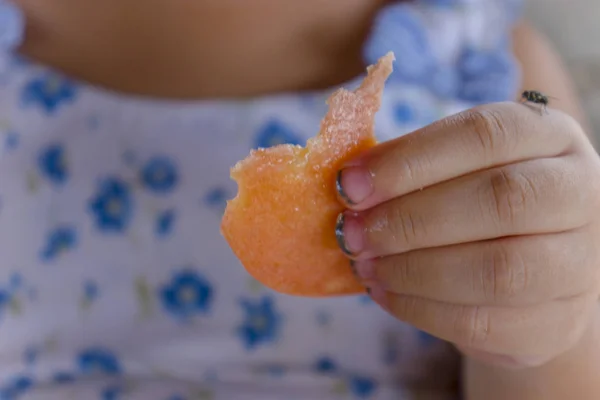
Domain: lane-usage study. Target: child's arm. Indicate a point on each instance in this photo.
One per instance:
(201, 48)
(574, 374)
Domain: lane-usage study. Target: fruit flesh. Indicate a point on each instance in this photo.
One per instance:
(281, 224)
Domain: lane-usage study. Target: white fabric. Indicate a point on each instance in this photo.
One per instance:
(116, 284)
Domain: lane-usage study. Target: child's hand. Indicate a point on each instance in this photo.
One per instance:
(482, 229)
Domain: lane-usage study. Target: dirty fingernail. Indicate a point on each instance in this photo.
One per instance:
(349, 233)
(354, 185)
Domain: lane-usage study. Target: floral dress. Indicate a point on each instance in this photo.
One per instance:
(115, 282)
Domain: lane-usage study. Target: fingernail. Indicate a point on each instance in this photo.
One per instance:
(354, 185)
(364, 269)
(378, 295)
(12, 26)
(349, 233)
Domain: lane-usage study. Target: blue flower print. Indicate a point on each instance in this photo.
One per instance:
(404, 113)
(10, 301)
(262, 322)
(63, 377)
(217, 198)
(90, 291)
(390, 349)
(443, 3)
(274, 133)
(19, 61)
(159, 175)
(53, 164)
(98, 360)
(16, 387)
(30, 355)
(397, 28)
(48, 91)
(425, 338)
(112, 206)
(323, 318)
(187, 294)
(11, 140)
(276, 370)
(444, 82)
(164, 223)
(474, 62)
(4, 299)
(112, 393)
(16, 281)
(362, 387)
(58, 241)
(8, 296)
(325, 365)
(488, 76)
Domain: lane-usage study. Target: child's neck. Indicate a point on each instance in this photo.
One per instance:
(202, 48)
(296, 45)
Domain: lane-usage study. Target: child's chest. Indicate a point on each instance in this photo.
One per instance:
(109, 232)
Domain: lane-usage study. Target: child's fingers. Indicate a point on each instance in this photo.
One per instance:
(534, 197)
(516, 271)
(481, 138)
(535, 331)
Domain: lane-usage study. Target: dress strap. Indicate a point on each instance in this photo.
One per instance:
(12, 26)
(457, 49)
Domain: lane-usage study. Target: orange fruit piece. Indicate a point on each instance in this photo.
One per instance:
(281, 224)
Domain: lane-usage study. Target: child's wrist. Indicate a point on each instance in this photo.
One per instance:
(586, 341)
(573, 374)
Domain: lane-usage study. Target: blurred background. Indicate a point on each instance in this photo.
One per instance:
(574, 27)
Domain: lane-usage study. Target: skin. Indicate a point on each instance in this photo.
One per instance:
(479, 229)
(571, 374)
(263, 46)
(482, 229)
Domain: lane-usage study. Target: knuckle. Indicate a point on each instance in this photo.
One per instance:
(503, 275)
(573, 129)
(410, 167)
(405, 272)
(406, 227)
(492, 128)
(473, 327)
(509, 193)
